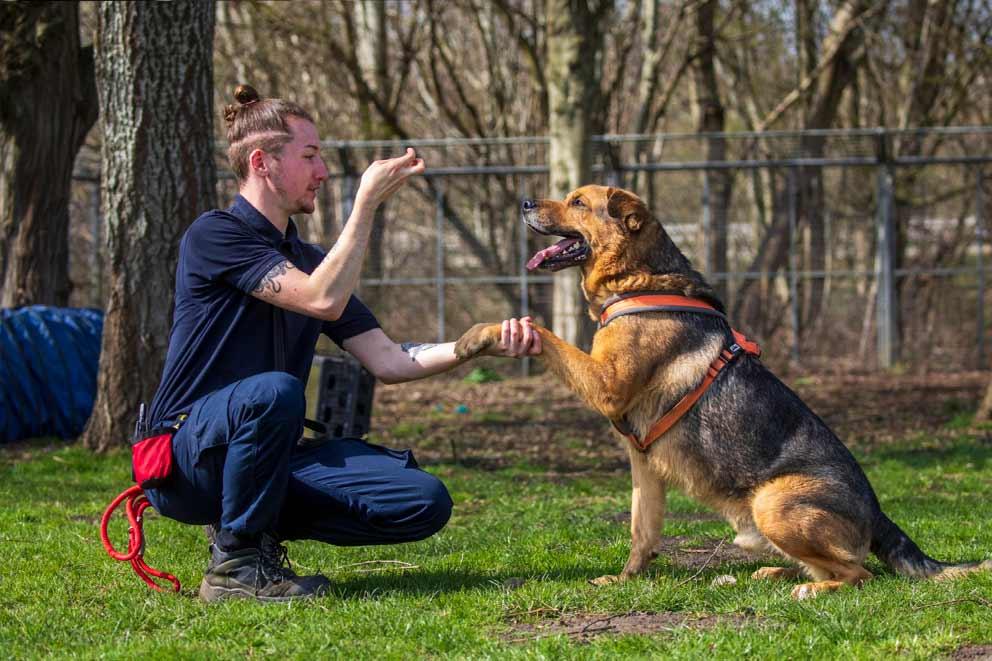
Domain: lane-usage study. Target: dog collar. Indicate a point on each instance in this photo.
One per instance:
(637, 302)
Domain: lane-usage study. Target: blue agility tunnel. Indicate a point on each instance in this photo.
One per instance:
(48, 364)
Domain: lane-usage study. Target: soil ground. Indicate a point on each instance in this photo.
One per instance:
(537, 421)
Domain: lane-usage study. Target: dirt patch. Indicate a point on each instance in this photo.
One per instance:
(707, 552)
(539, 422)
(624, 517)
(586, 626)
(972, 653)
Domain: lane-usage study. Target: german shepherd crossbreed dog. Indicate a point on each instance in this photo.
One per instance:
(747, 447)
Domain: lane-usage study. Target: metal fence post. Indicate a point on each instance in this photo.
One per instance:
(524, 290)
(885, 257)
(439, 263)
(347, 183)
(793, 265)
(707, 227)
(980, 234)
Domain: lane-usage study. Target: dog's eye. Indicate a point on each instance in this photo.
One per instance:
(577, 202)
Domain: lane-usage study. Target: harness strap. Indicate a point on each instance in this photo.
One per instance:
(135, 504)
(635, 303)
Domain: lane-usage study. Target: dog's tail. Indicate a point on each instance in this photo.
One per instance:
(901, 554)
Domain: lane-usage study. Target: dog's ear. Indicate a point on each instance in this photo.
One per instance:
(626, 208)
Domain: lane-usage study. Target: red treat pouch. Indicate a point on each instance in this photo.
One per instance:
(151, 458)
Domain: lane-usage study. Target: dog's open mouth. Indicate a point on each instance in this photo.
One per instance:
(570, 251)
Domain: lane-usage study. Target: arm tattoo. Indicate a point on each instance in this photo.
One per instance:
(269, 283)
(415, 348)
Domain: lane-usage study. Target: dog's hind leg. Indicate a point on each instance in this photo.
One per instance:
(647, 515)
(830, 547)
(777, 573)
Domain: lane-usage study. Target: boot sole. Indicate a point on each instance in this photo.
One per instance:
(212, 593)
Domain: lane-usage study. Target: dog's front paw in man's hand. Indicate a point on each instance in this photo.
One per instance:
(477, 339)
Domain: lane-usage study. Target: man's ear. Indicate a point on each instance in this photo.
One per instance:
(256, 161)
(627, 208)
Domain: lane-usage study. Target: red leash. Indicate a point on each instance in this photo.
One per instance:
(135, 505)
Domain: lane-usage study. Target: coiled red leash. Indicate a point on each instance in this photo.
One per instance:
(135, 504)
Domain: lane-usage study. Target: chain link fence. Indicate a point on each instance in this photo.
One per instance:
(836, 249)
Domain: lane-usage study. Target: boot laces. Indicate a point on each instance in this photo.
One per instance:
(274, 560)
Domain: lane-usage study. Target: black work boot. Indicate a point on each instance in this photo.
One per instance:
(257, 573)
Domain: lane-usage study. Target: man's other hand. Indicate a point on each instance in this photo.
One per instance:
(518, 338)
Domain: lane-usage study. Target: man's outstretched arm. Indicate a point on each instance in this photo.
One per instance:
(392, 362)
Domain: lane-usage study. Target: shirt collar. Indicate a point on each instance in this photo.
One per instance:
(244, 210)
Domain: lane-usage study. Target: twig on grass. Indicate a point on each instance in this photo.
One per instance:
(972, 600)
(393, 564)
(605, 620)
(703, 566)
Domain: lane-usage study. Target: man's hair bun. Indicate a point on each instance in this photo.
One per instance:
(245, 94)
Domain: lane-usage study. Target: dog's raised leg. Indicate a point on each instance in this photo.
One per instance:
(604, 384)
(647, 516)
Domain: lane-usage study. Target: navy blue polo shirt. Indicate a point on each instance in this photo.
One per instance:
(220, 332)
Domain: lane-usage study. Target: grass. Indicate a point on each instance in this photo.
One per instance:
(519, 550)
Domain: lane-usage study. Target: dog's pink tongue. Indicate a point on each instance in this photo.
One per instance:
(549, 252)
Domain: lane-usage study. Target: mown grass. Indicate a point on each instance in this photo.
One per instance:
(520, 548)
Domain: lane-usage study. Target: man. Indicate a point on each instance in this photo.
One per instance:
(251, 300)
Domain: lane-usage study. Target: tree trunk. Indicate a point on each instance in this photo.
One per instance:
(48, 102)
(984, 413)
(719, 183)
(575, 41)
(154, 74)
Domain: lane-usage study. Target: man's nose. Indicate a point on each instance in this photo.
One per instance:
(322, 172)
(528, 205)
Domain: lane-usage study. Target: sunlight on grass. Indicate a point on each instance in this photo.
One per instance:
(516, 556)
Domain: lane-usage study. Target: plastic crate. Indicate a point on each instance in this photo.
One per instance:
(339, 394)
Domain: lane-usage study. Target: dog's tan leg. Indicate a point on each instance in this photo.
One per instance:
(604, 383)
(777, 573)
(647, 515)
(831, 548)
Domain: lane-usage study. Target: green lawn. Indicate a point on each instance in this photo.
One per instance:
(515, 558)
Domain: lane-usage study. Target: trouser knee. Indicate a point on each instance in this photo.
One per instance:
(433, 513)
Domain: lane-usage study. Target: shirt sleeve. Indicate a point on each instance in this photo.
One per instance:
(219, 247)
(355, 320)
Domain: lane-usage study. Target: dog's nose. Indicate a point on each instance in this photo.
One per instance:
(528, 205)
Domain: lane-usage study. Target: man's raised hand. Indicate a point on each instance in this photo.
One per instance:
(385, 177)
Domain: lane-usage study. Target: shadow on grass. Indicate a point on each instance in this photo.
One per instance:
(924, 456)
(444, 581)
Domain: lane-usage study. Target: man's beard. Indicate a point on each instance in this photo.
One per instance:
(299, 205)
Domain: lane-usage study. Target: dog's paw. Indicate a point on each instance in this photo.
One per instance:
(804, 591)
(609, 579)
(477, 339)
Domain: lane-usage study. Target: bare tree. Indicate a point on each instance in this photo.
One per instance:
(48, 102)
(154, 75)
(575, 43)
(823, 74)
(719, 184)
(984, 413)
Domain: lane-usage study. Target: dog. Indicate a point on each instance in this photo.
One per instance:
(748, 447)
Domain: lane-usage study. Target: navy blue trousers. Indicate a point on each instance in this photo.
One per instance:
(236, 461)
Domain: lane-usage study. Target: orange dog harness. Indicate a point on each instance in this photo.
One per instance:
(635, 303)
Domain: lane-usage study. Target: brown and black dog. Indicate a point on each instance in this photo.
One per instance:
(749, 448)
